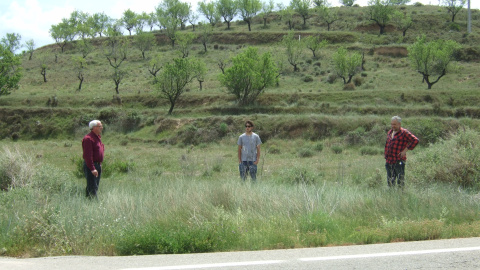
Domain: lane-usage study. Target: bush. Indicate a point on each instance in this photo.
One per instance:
(16, 168)
(453, 160)
(331, 78)
(357, 81)
(337, 149)
(305, 152)
(349, 87)
(318, 147)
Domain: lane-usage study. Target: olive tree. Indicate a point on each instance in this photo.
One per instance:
(346, 66)
(249, 75)
(175, 76)
(432, 59)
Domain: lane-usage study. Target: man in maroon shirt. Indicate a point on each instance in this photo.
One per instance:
(93, 150)
(399, 140)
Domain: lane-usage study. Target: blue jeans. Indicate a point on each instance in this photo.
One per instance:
(396, 173)
(248, 166)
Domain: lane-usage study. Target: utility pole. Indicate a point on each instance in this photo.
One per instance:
(469, 27)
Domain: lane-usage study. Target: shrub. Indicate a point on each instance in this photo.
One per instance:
(356, 137)
(452, 160)
(349, 87)
(337, 149)
(16, 168)
(357, 81)
(308, 79)
(108, 167)
(305, 152)
(331, 78)
(318, 147)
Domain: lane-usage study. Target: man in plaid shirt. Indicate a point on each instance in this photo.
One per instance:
(399, 140)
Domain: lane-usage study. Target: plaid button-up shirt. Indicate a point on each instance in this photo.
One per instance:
(401, 140)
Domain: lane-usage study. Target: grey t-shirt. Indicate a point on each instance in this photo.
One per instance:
(249, 146)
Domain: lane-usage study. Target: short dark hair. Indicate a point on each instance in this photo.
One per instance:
(248, 122)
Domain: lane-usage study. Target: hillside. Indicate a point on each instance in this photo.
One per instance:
(387, 86)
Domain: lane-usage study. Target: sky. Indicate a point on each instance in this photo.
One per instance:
(32, 19)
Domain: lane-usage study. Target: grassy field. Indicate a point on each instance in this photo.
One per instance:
(171, 183)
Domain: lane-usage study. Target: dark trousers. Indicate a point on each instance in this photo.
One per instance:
(92, 181)
(396, 174)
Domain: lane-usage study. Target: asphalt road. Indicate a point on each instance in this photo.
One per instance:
(435, 254)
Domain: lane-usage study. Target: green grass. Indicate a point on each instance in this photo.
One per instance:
(171, 183)
(182, 200)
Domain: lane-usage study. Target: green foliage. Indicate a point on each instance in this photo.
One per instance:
(370, 151)
(294, 49)
(305, 152)
(453, 160)
(175, 77)
(346, 66)
(380, 11)
(337, 149)
(109, 166)
(249, 75)
(293, 175)
(432, 58)
(10, 72)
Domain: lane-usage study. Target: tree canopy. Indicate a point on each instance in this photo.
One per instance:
(10, 73)
(249, 75)
(432, 59)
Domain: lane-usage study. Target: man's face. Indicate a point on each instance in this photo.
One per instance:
(395, 125)
(98, 128)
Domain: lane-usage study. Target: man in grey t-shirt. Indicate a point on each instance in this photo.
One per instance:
(248, 152)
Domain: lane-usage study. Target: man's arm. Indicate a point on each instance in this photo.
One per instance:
(239, 154)
(258, 155)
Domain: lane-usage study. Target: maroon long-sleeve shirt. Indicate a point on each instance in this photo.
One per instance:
(93, 149)
(402, 139)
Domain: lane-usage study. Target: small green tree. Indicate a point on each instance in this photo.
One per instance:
(313, 43)
(10, 71)
(84, 46)
(287, 15)
(175, 77)
(267, 8)
(12, 41)
(249, 75)
(205, 34)
(227, 10)
(328, 15)
(30, 45)
(454, 6)
(432, 59)
(293, 48)
(184, 42)
(346, 66)
(380, 11)
(402, 21)
(154, 66)
(144, 41)
(79, 64)
(248, 9)
(302, 7)
(129, 20)
(210, 12)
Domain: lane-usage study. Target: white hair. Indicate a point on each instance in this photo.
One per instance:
(397, 118)
(93, 124)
